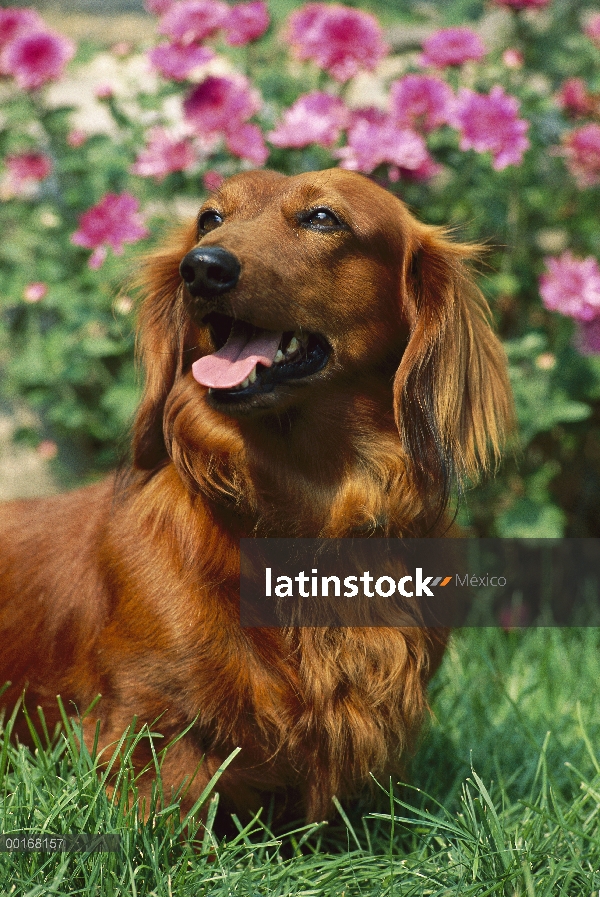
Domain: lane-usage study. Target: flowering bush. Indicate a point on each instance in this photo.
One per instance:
(495, 131)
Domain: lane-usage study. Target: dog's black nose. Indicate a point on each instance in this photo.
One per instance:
(209, 271)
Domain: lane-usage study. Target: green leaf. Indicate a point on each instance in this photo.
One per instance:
(528, 519)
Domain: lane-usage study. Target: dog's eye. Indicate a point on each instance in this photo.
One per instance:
(208, 221)
(320, 219)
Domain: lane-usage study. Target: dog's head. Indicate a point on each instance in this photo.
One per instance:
(295, 297)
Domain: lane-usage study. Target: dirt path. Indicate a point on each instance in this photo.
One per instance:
(106, 29)
(24, 472)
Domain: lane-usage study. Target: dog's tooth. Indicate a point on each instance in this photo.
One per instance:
(245, 383)
(293, 346)
(279, 356)
(252, 375)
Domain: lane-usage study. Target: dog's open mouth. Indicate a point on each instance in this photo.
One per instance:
(250, 360)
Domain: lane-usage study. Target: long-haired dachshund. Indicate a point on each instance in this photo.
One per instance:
(318, 364)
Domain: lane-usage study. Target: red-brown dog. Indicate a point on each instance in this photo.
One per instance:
(318, 363)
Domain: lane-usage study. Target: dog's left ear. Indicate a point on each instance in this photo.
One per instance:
(452, 397)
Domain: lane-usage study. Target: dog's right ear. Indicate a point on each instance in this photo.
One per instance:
(453, 400)
(159, 344)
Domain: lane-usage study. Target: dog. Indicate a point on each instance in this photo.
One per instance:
(318, 364)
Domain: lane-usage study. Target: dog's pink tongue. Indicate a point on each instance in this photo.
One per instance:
(230, 365)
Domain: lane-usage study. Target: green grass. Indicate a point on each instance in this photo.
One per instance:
(504, 798)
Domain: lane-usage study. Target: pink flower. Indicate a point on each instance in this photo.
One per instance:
(423, 172)
(582, 151)
(121, 48)
(490, 124)
(452, 46)
(246, 22)
(163, 155)
(420, 101)
(35, 57)
(212, 180)
(104, 92)
(220, 104)
(587, 337)
(523, 4)
(33, 292)
(76, 138)
(157, 7)
(376, 139)
(47, 449)
(513, 59)
(574, 98)
(14, 22)
(571, 286)
(592, 28)
(247, 142)
(178, 61)
(114, 221)
(315, 117)
(28, 167)
(24, 171)
(192, 21)
(340, 40)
